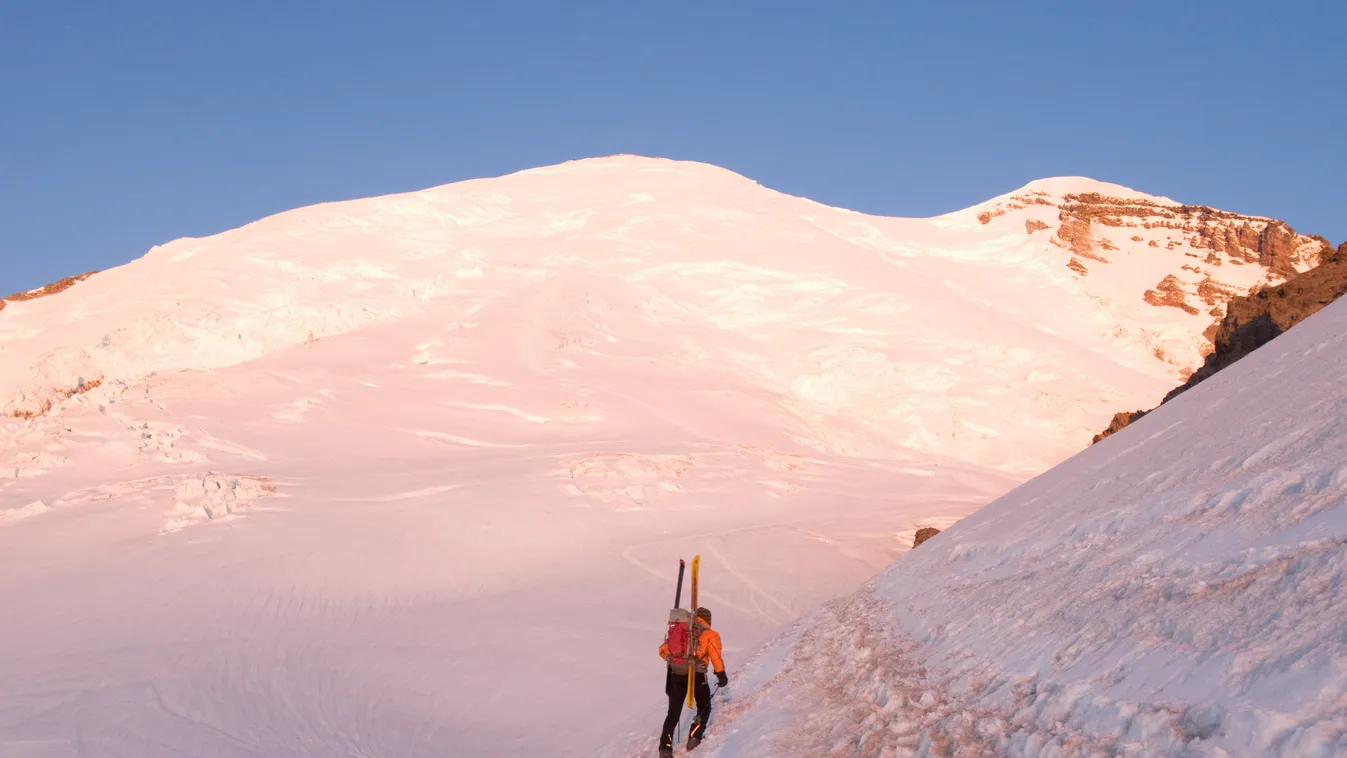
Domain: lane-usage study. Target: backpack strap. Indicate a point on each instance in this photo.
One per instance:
(695, 630)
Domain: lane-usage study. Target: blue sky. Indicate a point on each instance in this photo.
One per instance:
(124, 125)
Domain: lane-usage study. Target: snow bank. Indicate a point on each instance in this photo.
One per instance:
(1175, 590)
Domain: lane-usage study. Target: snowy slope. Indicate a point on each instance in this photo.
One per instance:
(325, 484)
(850, 317)
(1176, 590)
(1165, 271)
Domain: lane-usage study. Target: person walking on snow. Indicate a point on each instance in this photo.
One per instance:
(705, 645)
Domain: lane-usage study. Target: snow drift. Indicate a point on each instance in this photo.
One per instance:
(1175, 590)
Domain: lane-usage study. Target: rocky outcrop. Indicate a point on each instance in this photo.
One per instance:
(1074, 234)
(44, 291)
(1277, 249)
(923, 534)
(1169, 293)
(1214, 293)
(1228, 237)
(1120, 421)
(1252, 321)
(1217, 254)
(46, 405)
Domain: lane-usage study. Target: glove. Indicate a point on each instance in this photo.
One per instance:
(721, 679)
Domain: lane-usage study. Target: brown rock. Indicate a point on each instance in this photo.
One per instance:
(1213, 292)
(1169, 292)
(1198, 231)
(1074, 234)
(1248, 238)
(1120, 421)
(1277, 249)
(45, 290)
(1252, 321)
(923, 534)
(46, 405)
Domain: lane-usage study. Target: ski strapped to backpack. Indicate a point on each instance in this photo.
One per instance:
(692, 641)
(678, 593)
(676, 636)
(680, 637)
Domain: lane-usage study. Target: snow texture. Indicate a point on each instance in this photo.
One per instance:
(1176, 590)
(409, 476)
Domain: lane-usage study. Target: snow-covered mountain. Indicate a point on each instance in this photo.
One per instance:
(356, 478)
(1175, 590)
(1253, 320)
(1114, 236)
(877, 311)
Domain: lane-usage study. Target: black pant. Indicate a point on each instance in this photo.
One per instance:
(676, 687)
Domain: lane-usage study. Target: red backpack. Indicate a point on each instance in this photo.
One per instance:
(678, 640)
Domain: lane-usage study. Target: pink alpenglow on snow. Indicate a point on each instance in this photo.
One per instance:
(324, 484)
(1175, 590)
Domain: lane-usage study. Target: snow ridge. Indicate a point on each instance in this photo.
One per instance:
(1174, 590)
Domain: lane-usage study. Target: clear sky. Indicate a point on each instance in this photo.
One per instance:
(128, 124)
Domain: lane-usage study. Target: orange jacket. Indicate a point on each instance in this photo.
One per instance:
(708, 648)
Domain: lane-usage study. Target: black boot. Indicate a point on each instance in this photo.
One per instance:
(693, 739)
(666, 752)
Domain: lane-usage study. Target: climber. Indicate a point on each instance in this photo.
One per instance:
(704, 642)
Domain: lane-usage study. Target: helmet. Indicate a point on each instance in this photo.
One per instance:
(704, 613)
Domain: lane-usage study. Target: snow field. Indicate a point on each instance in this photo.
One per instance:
(409, 476)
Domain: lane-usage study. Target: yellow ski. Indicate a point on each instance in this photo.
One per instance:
(692, 640)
